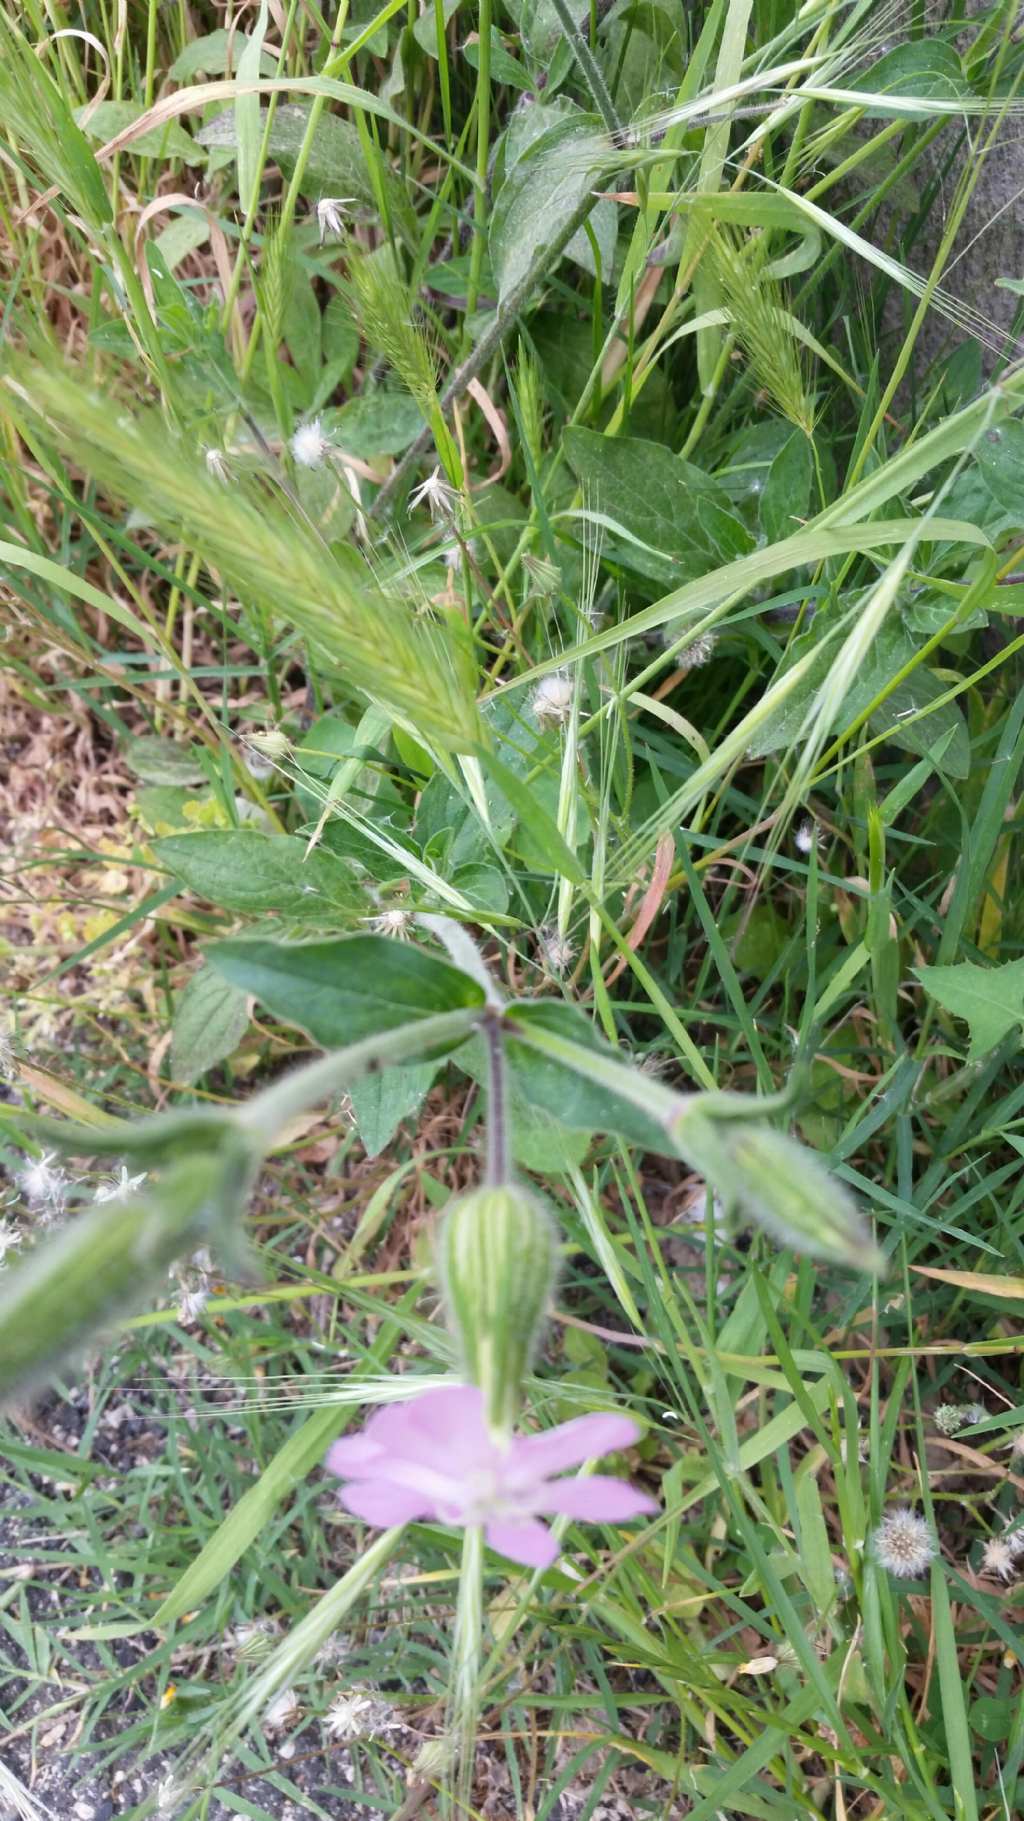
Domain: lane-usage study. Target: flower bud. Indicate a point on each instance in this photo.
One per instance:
(496, 1258)
(780, 1184)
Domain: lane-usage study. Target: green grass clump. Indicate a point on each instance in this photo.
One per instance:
(689, 686)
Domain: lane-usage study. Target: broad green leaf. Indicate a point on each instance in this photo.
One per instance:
(343, 990)
(787, 490)
(214, 55)
(158, 761)
(541, 194)
(170, 141)
(378, 422)
(577, 1102)
(991, 999)
(336, 164)
(679, 516)
(380, 1102)
(941, 728)
(926, 68)
(210, 1020)
(525, 127)
(1000, 459)
(244, 870)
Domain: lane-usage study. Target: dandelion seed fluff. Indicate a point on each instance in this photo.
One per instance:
(282, 1712)
(903, 1543)
(998, 1558)
(309, 444)
(552, 700)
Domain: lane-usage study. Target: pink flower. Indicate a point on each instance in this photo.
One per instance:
(435, 1458)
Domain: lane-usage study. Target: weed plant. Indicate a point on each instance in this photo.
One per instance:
(512, 553)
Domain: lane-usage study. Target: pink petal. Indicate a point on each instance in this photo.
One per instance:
(530, 1542)
(353, 1456)
(570, 1444)
(443, 1428)
(379, 1502)
(599, 1499)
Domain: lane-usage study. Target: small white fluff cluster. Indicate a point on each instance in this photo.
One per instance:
(310, 444)
(282, 1712)
(119, 1187)
(557, 952)
(329, 216)
(437, 495)
(393, 922)
(1001, 1555)
(358, 1714)
(552, 700)
(45, 1188)
(904, 1544)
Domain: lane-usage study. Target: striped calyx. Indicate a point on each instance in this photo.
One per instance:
(496, 1260)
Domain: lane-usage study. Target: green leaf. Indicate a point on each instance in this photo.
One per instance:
(214, 55)
(927, 67)
(552, 1086)
(336, 164)
(210, 1020)
(244, 870)
(343, 990)
(991, 999)
(169, 141)
(380, 1102)
(541, 193)
(787, 490)
(158, 761)
(1000, 459)
(381, 422)
(679, 516)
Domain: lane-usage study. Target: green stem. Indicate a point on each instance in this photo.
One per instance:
(483, 147)
(464, 1702)
(591, 70)
(497, 1123)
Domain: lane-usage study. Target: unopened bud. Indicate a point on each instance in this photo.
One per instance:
(780, 1184)
(496, 1258)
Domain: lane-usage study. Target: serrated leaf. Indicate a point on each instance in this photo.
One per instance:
(991, 999)
(244, 870)
(210, 1020)
(343, 990)
(680, 517)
